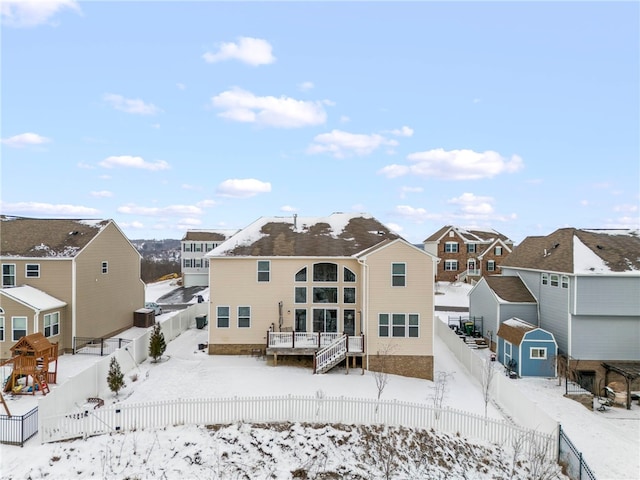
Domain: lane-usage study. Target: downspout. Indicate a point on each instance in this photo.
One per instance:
(365, 307)
(73, 300)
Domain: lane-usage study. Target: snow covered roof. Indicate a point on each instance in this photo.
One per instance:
(571, 250)
(514, 330)
(336, 235)
(471, 235)
(33, 298)
(46, 237)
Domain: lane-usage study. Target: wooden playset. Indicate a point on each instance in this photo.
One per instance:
(32, 358)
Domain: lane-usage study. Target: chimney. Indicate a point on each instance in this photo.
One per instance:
(295, 221)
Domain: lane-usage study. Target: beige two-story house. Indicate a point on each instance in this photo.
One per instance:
(66, 278)
(467, 254)
(326, 288)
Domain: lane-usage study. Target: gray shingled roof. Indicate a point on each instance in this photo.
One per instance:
(337, 235)
(45, 237)
(619, 250)
(510, 289)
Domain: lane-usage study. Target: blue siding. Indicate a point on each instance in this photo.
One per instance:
(535, 367)
(607, 295)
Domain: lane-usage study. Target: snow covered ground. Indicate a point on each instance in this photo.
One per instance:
(610, 441)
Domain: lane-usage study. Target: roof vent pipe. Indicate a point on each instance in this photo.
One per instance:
(295, 221)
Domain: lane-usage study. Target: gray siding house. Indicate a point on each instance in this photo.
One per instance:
(587, 287)
(497, 299)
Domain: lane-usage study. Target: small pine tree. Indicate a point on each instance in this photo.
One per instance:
(157, 345)
(115, 378)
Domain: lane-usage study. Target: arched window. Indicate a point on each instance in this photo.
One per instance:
(301, 275)
(348, 275)
(325, 272)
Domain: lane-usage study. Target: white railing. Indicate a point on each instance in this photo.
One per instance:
(308, 340)
(125, 417)
(329, 355)
(356, 344)
(502, 388)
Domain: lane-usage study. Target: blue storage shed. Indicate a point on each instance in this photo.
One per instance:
(529, 350)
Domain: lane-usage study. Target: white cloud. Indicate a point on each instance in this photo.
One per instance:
(25, 140)
(169, 211)
(344, 119)
(626, 208)
(473, 204)
(282, 112)
(186, 223)
(394, 227)
(242, 188)
(417, 215)
(406, 190)
(102, 194)
(133, 162)
(31, 13)
(402, 132)
(130, 105)
(206, 203)
(135, 225)
(341, 144)
(305, 86)
(288, 209)
(37, 208)
(187, 186)
(252, 51)
(86, 166)
(455, 165)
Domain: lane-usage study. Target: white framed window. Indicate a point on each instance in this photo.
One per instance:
(187, 247)
(398, 274)
(383, 325)
(538, 353)
(301, 275)
(451, 247)
(264, 270)
(32, 270)
(325, 295)
(451, 265)
(244, 317)
(399, 325)
(497, 251)
(300, 295)
(301, 320)
(222, 316)
(52, 324)
(8, 275)
(325, 272)
(471, 248)
(544, 278)
(18, 328)
(198, 247)
(554, 279)
(565, 281)
(186, 263)
(105, 267)
(325, 320)
(349, 295)
(491, 265)
(348, 275)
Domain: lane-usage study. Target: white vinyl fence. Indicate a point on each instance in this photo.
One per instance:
(75, 390)
(502, 388)
(279, 409)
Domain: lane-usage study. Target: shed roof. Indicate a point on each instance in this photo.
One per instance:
(510, 289)
(336, 235)
(46, 237)
(514, 330)
(36, 342)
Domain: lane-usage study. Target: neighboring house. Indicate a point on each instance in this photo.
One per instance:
(342, 284)
(467, 254)
(587, 285)
(527, 350)
(193, 247)
(498, 298)
(66, 279)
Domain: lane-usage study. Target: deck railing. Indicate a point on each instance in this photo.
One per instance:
(312, 340)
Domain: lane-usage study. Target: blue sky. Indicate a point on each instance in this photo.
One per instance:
(168, 116)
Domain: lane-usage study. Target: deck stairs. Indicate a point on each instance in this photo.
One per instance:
(331, 355)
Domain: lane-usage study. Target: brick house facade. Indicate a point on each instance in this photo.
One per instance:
(467, 254)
